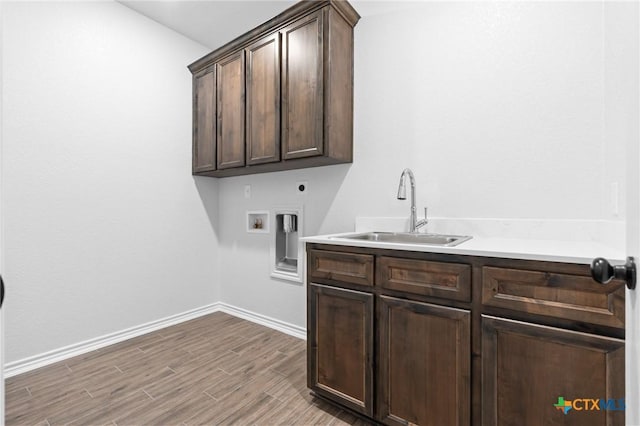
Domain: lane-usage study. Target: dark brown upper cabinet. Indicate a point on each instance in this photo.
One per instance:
(204, 121)
(284, 94)
(230, 90)
(263, 100)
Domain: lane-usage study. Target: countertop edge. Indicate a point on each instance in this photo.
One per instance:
(539, 250)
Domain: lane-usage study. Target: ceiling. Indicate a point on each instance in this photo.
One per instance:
(216, 22)
(211, 23)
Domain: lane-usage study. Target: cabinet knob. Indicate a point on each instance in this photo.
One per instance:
(603, 272)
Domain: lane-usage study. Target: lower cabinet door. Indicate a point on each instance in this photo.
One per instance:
(340, 346)
(537, 375)
(424, 359)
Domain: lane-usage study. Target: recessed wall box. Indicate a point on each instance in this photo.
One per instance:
(286, 247)
(258, 222)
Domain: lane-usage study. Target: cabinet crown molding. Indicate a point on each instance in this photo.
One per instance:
(302, 8)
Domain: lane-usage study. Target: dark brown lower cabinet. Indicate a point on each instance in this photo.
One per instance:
(423, 363)
(464, 340)
(340, 346)
(529, 371)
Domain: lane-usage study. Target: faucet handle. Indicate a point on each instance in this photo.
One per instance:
(422, 222)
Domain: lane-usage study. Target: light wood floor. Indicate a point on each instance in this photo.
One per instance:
(217, 369)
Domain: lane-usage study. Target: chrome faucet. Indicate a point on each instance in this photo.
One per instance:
(414, 224)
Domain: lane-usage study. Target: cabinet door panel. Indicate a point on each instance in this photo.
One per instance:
(340, 346)
(424, 364)
(204, 126)
(263, 100)
(302, 88)
(230, 88)
(526, 368)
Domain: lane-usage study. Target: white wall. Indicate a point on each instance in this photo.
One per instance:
(105, 228)
(497, 108)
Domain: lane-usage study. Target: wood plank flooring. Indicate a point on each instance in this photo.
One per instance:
(217, 369)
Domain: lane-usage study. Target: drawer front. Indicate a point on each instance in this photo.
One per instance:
(566, 296)
(339, 266)
(437, 279)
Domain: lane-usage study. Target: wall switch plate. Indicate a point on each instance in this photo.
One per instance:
(247, 191)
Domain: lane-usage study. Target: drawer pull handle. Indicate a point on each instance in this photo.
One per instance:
(603, 272)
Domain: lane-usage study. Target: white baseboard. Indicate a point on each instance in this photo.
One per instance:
(284, 327)
(31, 363)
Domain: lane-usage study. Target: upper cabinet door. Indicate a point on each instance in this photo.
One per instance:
(230, 90)
(302, 87)
(263, 100)
(204, 122)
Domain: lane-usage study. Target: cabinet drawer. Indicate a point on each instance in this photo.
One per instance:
(573, 297)
(338, 266)
(437, 279)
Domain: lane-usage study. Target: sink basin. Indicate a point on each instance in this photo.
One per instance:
(408, 238)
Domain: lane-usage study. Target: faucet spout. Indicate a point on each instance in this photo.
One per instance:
(402, 195)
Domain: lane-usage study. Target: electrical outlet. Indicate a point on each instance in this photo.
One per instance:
(302, 187)
(247, 191)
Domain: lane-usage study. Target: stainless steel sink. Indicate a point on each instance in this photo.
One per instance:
(408, 238)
